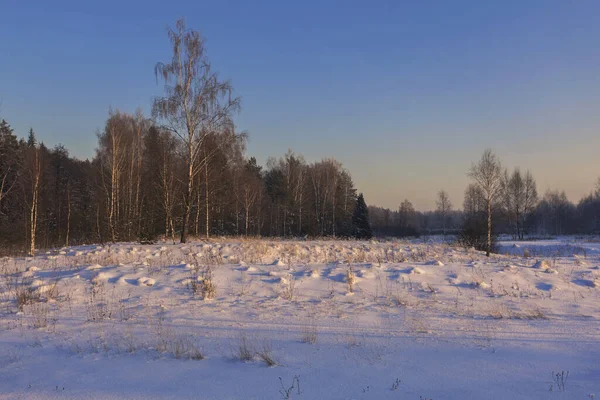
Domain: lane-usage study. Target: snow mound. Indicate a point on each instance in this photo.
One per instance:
(363, 273)
(435, 262)
(545, 267)
(542, 264)
(37, 283)
(482, 284)
(188, 281)
(30, 272)
(283, 280)
(144, 281)
(40, 286)
(509, 268)
(101, 277)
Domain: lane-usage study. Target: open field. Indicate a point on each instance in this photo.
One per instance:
(260, 319)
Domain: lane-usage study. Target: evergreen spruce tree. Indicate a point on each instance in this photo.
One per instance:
(361, 227)
(31, 140)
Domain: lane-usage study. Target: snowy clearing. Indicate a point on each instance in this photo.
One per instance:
(260, 319)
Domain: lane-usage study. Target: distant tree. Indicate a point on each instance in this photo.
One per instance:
(407, 219)
(588, 214)
(444, 206)
(31, 140)
(196, 104)
(487, 175)
(555, 214)
(519, 199)
(251, 188)
(530, 201)
(474, 201)
(360, 219)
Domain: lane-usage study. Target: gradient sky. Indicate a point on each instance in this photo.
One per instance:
(405, 94)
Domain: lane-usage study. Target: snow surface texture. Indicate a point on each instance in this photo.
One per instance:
(301, 320)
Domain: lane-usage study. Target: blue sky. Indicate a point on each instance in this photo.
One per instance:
(405, 94)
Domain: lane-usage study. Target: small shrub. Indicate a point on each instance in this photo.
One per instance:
(286, 392)
(350, 279)
(39, 314)
(560, 380)
(186, 349)
(289, 287)
(474, 234)
(97, 304)
(245, 350)
(266, 355)
(310, 333)
(208, 288)
(24, 293)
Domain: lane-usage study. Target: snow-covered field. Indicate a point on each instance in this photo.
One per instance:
(302, 320)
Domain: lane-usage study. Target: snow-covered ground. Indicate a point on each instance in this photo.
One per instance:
(337, 319)
(561, 247)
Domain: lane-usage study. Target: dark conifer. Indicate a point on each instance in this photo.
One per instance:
(360, 220)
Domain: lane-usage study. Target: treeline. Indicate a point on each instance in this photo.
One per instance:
(182, 170)
(134, 189)
(410, 222)
(515, 206)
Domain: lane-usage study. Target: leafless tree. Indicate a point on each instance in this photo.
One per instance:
(34, 170)
(68, 231)
(444, 206)
(140, 125)
(167, 182)
(487, 175)
(407, 215)
(474, 201)
(519, 199)
(117, 165)
(530, 200)
(196, 104)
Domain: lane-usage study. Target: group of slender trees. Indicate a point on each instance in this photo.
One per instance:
(495, 202)
(136, 188)
(182, 170)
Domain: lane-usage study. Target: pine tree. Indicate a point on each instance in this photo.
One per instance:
(361, 226)
(31, 140)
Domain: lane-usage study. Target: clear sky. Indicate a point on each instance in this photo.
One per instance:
(405, 94)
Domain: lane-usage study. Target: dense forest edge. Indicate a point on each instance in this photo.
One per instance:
(183, 171)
